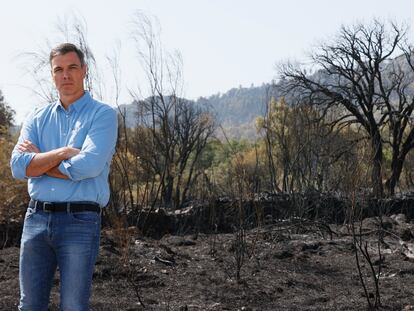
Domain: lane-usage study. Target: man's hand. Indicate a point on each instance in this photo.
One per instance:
(54, 172)
(27, 146)
(70, 152)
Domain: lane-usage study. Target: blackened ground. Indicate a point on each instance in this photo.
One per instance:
(287, 266)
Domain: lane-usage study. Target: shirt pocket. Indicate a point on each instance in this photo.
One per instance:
(77, 137)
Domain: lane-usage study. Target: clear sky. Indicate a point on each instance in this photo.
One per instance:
(224, 43)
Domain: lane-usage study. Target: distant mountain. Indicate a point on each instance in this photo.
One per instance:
(130, 112)
(238, 105)
(236, 110)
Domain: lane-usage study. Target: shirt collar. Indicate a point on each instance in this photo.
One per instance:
(77, 105)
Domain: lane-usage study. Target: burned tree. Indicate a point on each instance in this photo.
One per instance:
(171, 131)
(360, 76)
(170, 145)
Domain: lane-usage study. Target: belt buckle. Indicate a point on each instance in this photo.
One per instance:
(45, 207)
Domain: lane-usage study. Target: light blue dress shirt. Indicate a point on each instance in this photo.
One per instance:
(88, 125)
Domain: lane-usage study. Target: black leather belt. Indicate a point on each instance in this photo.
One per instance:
(72, 207)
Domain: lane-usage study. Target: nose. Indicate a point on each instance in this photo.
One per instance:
(65, 74)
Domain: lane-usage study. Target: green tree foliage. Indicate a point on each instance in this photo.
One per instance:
(6, 115)
(304, 151)
(233, 164)
(13, 194)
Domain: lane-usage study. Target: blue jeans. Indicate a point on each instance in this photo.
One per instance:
(66, 240)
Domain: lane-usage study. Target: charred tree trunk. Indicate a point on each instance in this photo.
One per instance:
(376, 174)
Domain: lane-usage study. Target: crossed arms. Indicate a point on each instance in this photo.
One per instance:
(86, 161)
(46, 162)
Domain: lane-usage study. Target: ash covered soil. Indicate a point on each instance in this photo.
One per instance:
(286, 266)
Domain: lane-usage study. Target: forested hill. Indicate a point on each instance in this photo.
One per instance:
(235, 110)
(238, 105)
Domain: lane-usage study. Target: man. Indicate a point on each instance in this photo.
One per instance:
(64, 151)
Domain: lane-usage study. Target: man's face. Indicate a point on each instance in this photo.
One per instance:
(68, 74)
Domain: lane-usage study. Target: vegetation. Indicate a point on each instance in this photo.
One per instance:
(352, 117)
(362, 78)
(354, 113)
(13, 194)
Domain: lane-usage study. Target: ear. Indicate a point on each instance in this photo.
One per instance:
(85, 70)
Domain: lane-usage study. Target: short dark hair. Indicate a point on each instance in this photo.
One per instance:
(64, 48)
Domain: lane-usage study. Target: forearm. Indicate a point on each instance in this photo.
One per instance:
(54, 172)
(43, 162)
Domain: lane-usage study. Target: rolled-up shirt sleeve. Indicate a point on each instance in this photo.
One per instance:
(20, 160)
(97, 149)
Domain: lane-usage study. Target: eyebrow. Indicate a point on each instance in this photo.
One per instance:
(70, 66)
